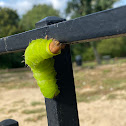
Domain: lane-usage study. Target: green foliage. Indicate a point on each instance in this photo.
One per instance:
(8, 22)
(88, 55)
(79, 49)
(78, 8)
(99, 5)
(116, 47)
(37, 13)
(12, 60)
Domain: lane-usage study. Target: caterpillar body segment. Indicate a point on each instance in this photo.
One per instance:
(39, 58)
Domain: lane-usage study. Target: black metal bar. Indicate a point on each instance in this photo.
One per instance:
(21, 41)
(104, 24)
(62, 111)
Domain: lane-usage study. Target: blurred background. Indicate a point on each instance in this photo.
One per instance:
(99, 67)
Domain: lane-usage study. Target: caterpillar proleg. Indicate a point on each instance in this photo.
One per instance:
(40, 59)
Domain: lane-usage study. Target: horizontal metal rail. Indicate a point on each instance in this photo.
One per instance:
(100, 25)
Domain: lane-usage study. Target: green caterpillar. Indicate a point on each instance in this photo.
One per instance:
(39, 58)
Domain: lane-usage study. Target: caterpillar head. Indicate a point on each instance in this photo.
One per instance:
(55, 46)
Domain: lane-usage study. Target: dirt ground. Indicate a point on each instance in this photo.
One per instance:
(103, 102)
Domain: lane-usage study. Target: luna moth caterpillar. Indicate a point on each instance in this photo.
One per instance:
(39, 57)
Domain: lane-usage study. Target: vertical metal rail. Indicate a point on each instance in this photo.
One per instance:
(62, 111)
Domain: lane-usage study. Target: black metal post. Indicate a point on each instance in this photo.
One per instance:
(62, 111)
(9, 122)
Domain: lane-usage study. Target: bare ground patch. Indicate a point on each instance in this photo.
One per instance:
(101, 95)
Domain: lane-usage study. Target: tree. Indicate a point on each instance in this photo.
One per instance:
(115, 47)
(9, 20)
(77, 8)
(37, 13)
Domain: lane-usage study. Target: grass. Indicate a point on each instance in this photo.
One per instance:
(87, 98)
(17, 80)
(107, 87)
(12, 110)
(93, 64)
(121, 61)
(111, 61)
(2, 109)
(35, 118)
(104, 80)
(33, 111)
(106, 71)
(89, 64)
(114, 84)
(18, 85)
(90, 96)
(19, 101)
(36, 103)
(112, 96)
